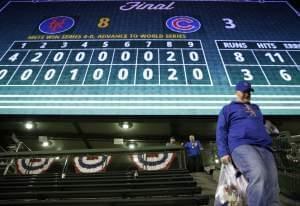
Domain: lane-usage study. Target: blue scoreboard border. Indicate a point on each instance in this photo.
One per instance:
(212, 98)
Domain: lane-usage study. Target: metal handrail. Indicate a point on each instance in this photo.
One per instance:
(84, 152)
(2, 149)
(23, 144)
(64, 171)
(12, 161)
(89, 152)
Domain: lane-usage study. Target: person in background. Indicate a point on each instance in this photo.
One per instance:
(172, 142)
(242, 137)
(192, 148)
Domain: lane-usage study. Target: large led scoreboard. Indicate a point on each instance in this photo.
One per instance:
(147, 58)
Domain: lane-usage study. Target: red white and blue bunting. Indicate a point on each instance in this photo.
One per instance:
(153, 161)
(33, 166)
(91, 164)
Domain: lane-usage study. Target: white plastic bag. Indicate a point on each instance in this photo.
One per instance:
(231, 188)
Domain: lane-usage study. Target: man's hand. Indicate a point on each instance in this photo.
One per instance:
(225, 159)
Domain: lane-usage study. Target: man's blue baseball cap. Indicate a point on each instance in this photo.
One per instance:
(244, 86)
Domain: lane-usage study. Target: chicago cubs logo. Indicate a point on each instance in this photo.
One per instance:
(183, 24)
(91, 164)
(153, 161)
(56, 25)
(33, 166)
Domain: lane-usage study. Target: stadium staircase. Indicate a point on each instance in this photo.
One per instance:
(172, 187)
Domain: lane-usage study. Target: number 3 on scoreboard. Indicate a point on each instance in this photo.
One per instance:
(229, 23)
(247, 74)
(103, 22)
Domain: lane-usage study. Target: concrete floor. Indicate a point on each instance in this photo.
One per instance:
(208, 184)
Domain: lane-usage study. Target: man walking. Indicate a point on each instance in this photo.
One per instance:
(241, 137)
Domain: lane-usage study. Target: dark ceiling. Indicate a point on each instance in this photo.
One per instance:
(95, 132)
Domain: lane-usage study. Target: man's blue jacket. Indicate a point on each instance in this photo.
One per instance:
(239, 124)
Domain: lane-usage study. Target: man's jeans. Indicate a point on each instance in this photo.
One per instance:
(258, 166)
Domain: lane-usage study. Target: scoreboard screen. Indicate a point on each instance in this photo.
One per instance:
(147, 57)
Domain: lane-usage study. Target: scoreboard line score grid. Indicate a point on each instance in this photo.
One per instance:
(137, 63)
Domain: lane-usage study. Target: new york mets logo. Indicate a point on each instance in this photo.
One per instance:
(56, 25)
(183, 24)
